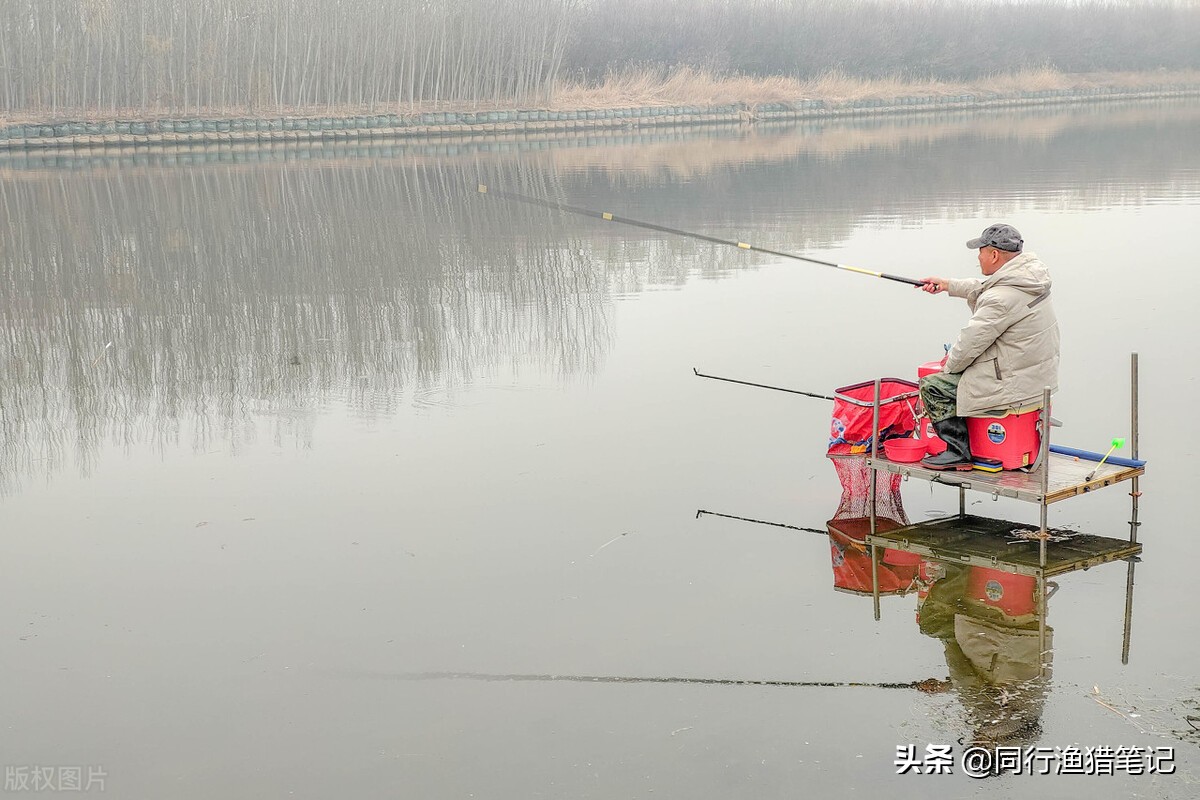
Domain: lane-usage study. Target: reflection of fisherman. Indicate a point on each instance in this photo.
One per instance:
(993, 651)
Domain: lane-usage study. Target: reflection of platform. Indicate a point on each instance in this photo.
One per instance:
(980, 541)
(1068, 478)
(857, 528)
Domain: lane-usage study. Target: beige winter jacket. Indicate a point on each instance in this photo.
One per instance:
(1008, 351)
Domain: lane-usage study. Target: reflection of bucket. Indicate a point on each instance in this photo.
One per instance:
(900, 558)
(1013, 594)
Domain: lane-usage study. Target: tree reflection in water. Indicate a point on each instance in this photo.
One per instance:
(243, 288)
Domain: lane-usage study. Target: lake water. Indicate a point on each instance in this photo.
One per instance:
(316, 465)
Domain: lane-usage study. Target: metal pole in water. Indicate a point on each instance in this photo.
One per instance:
(1041, 612)
(1045, 458)
(875, 579)
(874, 451)
(871, 495)
(1128, 611)
(1134, 493)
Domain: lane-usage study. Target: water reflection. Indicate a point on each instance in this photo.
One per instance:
(244, 291)
(997, 652)
(976, 594)
(236, 298)
(988, 620)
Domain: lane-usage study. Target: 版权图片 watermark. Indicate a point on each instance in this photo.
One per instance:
(54, 778)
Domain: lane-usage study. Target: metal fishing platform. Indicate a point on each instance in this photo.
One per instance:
(986, 542)
(982, 542)
(1058, 478)
(1055, 478)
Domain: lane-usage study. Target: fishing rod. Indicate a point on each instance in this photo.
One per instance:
(700, 511)
(700, 374)
(484, 676)
(610, 217)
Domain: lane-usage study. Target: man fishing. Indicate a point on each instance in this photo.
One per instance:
(1005, 355)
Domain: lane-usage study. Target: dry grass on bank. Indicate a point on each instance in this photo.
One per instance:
(684, 86)
(693, 87)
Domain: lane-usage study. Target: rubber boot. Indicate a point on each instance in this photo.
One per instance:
(953, 432)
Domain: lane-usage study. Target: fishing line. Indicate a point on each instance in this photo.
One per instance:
(606, 216)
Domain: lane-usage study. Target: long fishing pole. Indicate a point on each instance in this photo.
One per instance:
(700, 511)
(700, 374)
(609, 217)
(495, 677)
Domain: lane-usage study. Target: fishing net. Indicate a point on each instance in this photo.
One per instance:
(852, 567)
(855, 477)
(897, 572)
(850, 438)
(853, 413)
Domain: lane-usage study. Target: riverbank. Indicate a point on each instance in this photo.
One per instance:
(629, 101)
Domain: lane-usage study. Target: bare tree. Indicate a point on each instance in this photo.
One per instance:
(146, 57)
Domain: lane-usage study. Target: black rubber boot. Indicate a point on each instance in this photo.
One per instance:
(953, 432)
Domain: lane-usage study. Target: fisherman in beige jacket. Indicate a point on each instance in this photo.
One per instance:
(1005, 356)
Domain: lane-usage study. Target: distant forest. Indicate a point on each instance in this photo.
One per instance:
(105, 57)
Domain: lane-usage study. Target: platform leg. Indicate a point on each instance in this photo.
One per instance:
(1041, 612)
(875, 579)
(874, 477)
(1044, 533)
(874, 455)
(1128, 611)
(1134, 492)
(962, 501)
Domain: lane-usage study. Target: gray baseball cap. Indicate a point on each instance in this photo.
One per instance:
(999, 236)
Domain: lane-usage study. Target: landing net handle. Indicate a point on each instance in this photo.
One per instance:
(844, 395)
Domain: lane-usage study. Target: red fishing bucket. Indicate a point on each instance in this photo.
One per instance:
(925, 431)
(1013, 440)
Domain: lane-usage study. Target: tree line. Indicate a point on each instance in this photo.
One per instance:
(203, 56)
(919, 39)
(197, 56)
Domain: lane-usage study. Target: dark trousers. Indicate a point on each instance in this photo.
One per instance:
(939, 395)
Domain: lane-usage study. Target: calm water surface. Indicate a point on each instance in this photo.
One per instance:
(367, 447)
